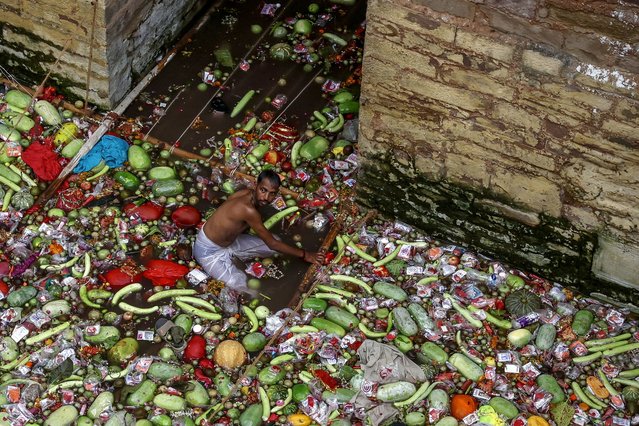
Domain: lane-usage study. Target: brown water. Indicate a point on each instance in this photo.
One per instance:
(177, 84)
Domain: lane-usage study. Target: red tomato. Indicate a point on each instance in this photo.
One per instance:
(195, 349)
(186, 216)
(147, 211)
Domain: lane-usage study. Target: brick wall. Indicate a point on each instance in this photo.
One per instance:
(129, 35)
(510, 126)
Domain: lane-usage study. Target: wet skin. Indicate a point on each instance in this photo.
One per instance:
(240, 212)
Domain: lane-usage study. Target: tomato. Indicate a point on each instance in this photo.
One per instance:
(195, 349)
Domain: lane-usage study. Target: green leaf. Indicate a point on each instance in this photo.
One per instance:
(562, 414)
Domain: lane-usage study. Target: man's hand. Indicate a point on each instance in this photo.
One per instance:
(316, 258)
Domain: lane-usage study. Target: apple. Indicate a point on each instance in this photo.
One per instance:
(271, 157)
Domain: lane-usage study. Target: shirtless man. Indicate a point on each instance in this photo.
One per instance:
(222, 237)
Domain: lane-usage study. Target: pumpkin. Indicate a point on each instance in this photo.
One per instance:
(631, 396)
(462, 405)
(537, 421)
(522, 302)
(281, 51)
(22, 200)
(230, 354)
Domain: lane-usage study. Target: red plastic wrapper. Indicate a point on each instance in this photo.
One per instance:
(164, 272)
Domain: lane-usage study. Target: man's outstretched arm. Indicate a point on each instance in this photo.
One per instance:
(255, 222)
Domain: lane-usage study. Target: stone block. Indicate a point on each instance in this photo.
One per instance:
(627, 110)
(601, 102)
(542, 63)
(607, 79)
(543, 102)
(617, 262)
(525, 8)
(412, 20)
(467, 170)
(395, 59)
(583, 217)
(591, 21)
(425, 90)
(526, 217)
(477, 82)
(516, 116)
(629, 131)
(461, 8)
(536, 193)
(513, 25)
(493, 48)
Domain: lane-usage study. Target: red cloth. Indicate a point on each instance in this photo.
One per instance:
(44, 162)
(164, 272)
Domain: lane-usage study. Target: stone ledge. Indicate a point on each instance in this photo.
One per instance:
(527, 218)
(616, 262)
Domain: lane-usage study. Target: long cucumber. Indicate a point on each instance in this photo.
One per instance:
(361, 253)
(171, 293)
(137, 310)
(353, 280)
(46, 334)
(598, 342)
(125, 291)
(271, 221)
(250, 314)
(242, 103)
(493, 319)
(196, 301)
(464, 312)
(388, 258)
(199, 312)
(339, 291)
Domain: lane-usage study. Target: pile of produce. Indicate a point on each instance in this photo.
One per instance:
(107, 319)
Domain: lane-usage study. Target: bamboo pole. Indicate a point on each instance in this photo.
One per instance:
(215, 164)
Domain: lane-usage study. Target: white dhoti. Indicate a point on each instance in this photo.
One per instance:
(217, 261)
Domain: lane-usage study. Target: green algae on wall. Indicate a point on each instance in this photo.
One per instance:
(544, 245)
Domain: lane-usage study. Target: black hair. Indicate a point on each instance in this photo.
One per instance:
(269, 175)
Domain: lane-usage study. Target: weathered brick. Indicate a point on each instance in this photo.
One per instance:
(517, 116)
(513, 25)
(390, 54)
(525, 217)
(502, 145)
(467, 169)
(588, 49)
(425, 89)
(622, 129)
(493, 48)
(536, 193)
(543, 101)
(607, 79)
(590, 20)
(461, 8)
(599, 145)
(542, 63)
(477, 82)
(412, 20)
(582, 217)
(574, 94)
(525, 8)
(627, 110)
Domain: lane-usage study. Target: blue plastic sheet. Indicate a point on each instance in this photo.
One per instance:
(111, 149)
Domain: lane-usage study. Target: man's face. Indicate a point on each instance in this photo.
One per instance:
(265, 192)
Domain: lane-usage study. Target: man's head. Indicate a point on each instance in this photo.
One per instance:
(268, 185)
